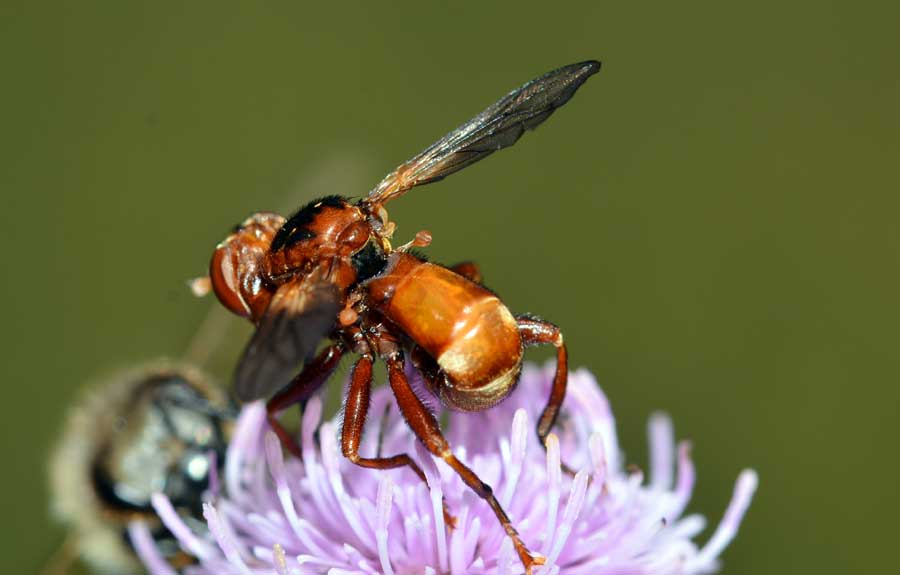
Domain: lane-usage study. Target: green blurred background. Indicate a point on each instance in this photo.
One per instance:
(712, 220)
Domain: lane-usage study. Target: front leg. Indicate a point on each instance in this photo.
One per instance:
(427, 429)
(300, 389)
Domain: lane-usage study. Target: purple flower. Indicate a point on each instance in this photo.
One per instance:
(325, 515)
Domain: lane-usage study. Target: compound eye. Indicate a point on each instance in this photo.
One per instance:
(226, 281)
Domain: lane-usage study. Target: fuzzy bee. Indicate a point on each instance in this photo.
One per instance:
(158, 428)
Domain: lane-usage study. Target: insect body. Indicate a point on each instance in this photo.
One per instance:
(330, 271)
(149, 430)
(476, 355)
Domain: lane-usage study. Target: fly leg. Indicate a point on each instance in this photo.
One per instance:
(468, 270)
(356, 409)
(427, 429)
(300, 389)
(537, 332)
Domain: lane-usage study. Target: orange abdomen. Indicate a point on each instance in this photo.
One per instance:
(464, 327)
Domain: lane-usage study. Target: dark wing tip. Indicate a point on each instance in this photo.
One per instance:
(243, 393)
(590, 67)
(254, 377)
(581, 71)
(562, 83)
(578, 70)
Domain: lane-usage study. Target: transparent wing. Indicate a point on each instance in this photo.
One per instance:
(498, 127)
(301, 313)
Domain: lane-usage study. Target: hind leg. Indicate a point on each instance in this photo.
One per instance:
(468, 270)
(539, 332)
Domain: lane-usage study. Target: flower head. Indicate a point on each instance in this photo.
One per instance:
(324, 515)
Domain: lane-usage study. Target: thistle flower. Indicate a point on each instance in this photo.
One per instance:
(324, 515)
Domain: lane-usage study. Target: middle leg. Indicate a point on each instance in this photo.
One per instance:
(356, 410)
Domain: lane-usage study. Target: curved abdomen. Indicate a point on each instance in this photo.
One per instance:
(465, 328)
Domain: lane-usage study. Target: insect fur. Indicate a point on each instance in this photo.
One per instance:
(156, 428)
(330, 272)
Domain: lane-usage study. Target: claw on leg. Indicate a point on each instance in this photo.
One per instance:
(530, 560)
